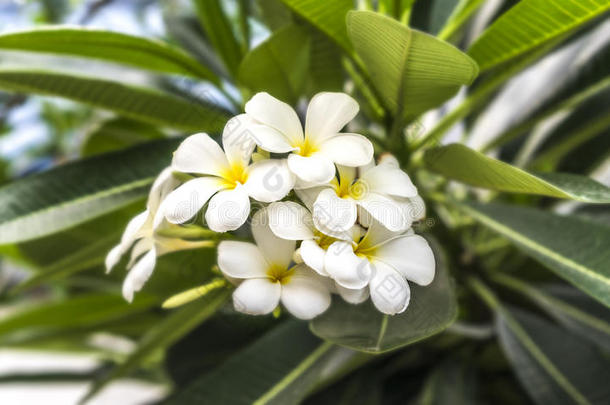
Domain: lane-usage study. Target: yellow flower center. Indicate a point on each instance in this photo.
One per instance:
(306, 148)
(233, 175)
(323, 240)
(279, 274)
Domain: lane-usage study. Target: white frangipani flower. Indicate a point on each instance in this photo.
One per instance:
(314, 152)
(267, 277)
(228, 179)
(389, 259)
(141, 233)
(383, 193)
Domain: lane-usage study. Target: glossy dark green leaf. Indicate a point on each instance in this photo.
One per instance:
(531, 24)
(107, 45)
(71, 194)
(362, 327)
(279, 65)
(554, 366)
(569, 307)
(458, 162)
(573, 248)
(406, 64)
(134, 102)
(450, 383)
(282, 367)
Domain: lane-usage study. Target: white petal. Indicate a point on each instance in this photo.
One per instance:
(389, 159)
(313, 256)
(270, 139)
(386, 211)
(184, 203)
(314, 169)
(200, 154)
(414, 208)
(328, 113)
(353, 296)
(309, 195)
(277, 251)
(164, 183)
(241, 260)
(257, 296)
(389, 180)
(389, 290)
(305, 295)
(289, 220)
(228, 210)
(237, 141)
(139, 248)
(139, 274)
(113, 257)
(347, 269)
(377, 234)
(411, 256)
(133, 230)
(269, 180)
(333, 215)
(348, 149)
(270, 111)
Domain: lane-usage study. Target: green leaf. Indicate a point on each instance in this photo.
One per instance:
(71, 194)
(134, 102)
(83, 259)
(531, 24)
(325, 67)
(362, 327)
(118, 133)
(165, 333)
(575, 249)
(107, 45)
(217, 26)
(554, 366)
(279, 65)
(450, 383)
(412, 71)
(327, 16)
(79, 311)
(274, 13)
(460, 15)
(458, 162)
(568, 307)
(282, 367)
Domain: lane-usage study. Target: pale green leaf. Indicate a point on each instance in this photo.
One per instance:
(163, 334)
(531, 24)
(109, 46)
(282, 367)
(71, 194)
(458, 162)
(279, 65)
(575, 249)
(412, 71)
(459, 16)
(328, 16)
(133, 102)
(362, 327)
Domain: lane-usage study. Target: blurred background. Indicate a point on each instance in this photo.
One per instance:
(37, 133)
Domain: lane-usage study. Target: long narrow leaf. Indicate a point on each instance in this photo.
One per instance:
(71, 194)
(107, 45)
(133, 102)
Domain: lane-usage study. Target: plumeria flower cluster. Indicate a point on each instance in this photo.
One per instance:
(327, 218)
